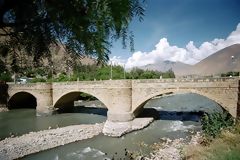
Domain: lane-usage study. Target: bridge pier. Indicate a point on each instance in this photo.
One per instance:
(44, 105)
(3, 108)
(3, 96)
(44, 99)
(45, 110)
(120, 102)
(120, 116)
(120, 123)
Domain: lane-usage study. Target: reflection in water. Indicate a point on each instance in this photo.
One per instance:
(172, 115)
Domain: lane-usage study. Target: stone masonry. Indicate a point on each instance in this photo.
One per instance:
(124, 99)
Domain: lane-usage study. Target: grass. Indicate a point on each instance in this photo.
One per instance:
(226, 146)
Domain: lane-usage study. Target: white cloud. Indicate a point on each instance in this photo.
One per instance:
(117, 60)
(190, 54)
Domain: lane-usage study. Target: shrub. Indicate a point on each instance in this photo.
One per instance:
(35, 80)
(226, 146)
(5, 76)
(212, 124)
(62, 78)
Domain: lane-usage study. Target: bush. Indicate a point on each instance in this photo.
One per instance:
(5, 76)
(35, 80)
(62, 78)
(225, 147)
(212, 124)
(230, 74)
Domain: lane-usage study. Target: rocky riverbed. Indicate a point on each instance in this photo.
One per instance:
(169, 149)
(17, 147)
(33, 142)
(117, 129)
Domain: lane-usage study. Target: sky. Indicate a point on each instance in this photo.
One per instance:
(180, 30)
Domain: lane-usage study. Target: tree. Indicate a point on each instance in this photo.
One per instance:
(84, 27)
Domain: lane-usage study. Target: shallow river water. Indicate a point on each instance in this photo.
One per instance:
(176, 116)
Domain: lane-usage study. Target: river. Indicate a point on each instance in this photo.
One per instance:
(176, 117)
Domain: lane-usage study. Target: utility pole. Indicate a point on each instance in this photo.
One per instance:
(52, 67)
(111, 70)
(69, 74)
(235, 60)
(124, 74)
(52, 72)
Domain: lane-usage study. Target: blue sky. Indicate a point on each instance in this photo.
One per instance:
(179, 22)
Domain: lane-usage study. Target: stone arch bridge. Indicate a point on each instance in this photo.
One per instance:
(124, 99)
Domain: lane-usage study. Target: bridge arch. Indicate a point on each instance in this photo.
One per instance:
(68, 98)
(139, 105)
(22, 99)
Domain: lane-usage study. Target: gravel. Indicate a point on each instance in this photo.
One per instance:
(33, 142)
(117, 129)
(171, 149)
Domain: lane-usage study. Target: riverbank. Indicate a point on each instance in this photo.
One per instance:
(168, 149)
(225, 146)
(17, 147)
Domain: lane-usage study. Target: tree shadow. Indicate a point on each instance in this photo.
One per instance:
(82, 109)
(172, 115)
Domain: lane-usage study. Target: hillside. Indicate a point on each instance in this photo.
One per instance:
(61, 61)
(179, 68)
(225, 60)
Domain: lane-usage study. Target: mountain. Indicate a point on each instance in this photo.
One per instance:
(225, 60)
(60, 60)
(179, 68)
(63, 61)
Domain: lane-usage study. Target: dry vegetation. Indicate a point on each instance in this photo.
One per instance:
(225, 147)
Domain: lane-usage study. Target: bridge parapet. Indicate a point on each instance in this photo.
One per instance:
(30, 86)
(94, 84)
(168, 80)
(185, 84)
